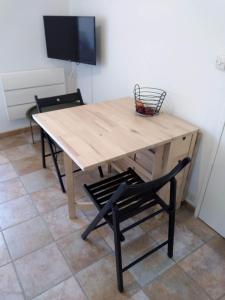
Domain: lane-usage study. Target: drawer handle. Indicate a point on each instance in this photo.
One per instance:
(184, 138)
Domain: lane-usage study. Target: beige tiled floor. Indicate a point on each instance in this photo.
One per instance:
(7, 172)
(43, 257)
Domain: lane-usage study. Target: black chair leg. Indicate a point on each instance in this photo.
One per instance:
(172, 212)
(43, 149)
(100, 171)
(117, 237)
(171, 233)
(90, 228)
(56, 166)
(31, 131)
(96, 220)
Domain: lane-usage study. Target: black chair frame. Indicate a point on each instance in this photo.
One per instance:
(126, 195)
(54, 103)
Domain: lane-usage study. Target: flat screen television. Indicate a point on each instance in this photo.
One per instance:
(71, 38)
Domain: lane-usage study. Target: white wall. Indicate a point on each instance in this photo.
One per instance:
(168, 44)
(23, 43)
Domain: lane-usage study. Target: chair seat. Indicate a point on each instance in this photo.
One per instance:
(129, 205)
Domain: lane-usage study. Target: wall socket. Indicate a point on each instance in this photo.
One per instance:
(220, 62)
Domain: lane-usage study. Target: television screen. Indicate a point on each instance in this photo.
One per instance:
(71, 38)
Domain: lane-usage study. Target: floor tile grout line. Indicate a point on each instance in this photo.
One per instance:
(14, 267)
(19, 177)
(192, 251)
(16, 178)
(19, 223)
(192, 279)
(33, 251)
(30, 193)
(75, 273)
(13, 160)
(95, 262)
(10, 260)
(5, 264)
(82, 289)
(45, 246)
(19, 281)
(9, 163)
(179, 264)
(41, 293)
(197, 234)
(64, 258)
(19, 146)
(46, 225)
(48, 211)
(17, 171)
(30, 252)
(195, 250)
(22, 134)
(8, 201)
(32, 204)
(69, 265)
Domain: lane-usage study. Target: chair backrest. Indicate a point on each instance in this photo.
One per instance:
(151, 187)
(59, 102)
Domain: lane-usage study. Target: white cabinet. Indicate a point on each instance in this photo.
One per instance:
(212, 210)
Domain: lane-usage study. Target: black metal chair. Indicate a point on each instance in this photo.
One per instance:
(55, 103)
(125, 195)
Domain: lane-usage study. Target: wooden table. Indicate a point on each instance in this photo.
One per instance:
(94, 134)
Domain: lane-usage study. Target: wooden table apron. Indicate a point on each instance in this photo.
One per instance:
(94, 134)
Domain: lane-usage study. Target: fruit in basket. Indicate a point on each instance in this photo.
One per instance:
(144, 110)
(140, 107)
(149, 111)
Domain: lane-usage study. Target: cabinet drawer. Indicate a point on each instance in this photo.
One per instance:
(181, 146)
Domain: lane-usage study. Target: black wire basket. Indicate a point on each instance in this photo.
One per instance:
(148, 101)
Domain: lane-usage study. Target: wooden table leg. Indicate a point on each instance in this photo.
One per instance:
(68, 163)
(162, 167)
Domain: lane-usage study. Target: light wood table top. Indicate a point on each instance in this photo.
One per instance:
(97, 133)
